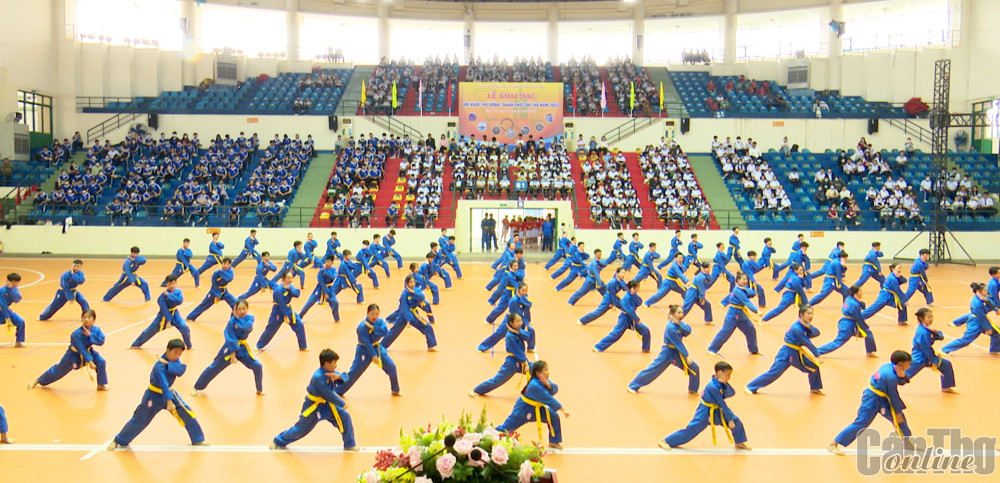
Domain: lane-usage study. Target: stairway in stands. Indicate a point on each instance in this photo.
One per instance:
(641, 189)
(581, 204)
(614, 110)
(446, 212)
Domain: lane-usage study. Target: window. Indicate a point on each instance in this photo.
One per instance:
(36, 111)
(666, 39)
(146, 23)
(356, 37)
(778, 34)
(598, 40)
(507, 40)
(251, 30)
(896, 23)
(417, 39)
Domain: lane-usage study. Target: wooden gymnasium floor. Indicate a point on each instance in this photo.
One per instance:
(611, 436)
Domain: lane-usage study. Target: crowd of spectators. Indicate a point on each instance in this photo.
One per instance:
(742, 162)
(610, 192)
(379, 88)
(586, 76)
(623, 74)
(718, 99)
(673, 188)
(484, 168)
(696, 57)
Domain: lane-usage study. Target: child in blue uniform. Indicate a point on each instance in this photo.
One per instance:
(734, 246)
(720, 260)
(160, 396)
(411, 303)
(220, 280)
(506, 291)
(448, 248)
(235, 348)
(713, 411)
(260, 281)
(249, 249)
(617, 250)
(852, 324)
(282, 313)
(611, 299)
(565, 244)
(633, 257)
(674, 280)
(872, 268)
(168, 302)
(737, 316)
(214, 254)
(323, 294)
(798, 352)
(675, 247)
(593, 280)
(794, 291)
(425, 272)
(833, 279)
(346, 277)
(370, 332)
(891, 294)
(68, 291)
(692, 256)
(575, 263)
(129, 277)
(322, 403)
(516, 361)
(924, 354)
(538, 403)
(646, 269)
(673, 353)
(796, 245)
(976, 323)
(518, 304)
(292, 260)
(697, 293)
(368, 259)
(183, 264)
(10, 295)
(627, 319)
(918, 278)
(80, 353)
(387, 242)
(880, 397)
(331, 246)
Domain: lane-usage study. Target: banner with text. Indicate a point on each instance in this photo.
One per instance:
(504, 110)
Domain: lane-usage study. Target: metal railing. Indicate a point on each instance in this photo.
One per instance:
(916, 131)
(98, 102)
(111, 124)
(628, 128)
(395, 126)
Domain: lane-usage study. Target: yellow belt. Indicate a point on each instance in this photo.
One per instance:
(286, 319)
(179, 404)
(520, 382)
(378, 354)
(687, 370)
(218, 259)
(861, 331)
(184, 266)
(677, 281)
(895, 417)
(315, 405)
(163, 319)
(803, 355)
(712, 408)
(538, 415)
(241, 342)
(870, 264)
(416, 313)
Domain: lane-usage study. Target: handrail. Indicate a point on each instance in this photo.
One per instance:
(396, 126)
(83, 102)
(628, 128)
(111, 124)
(922, 134)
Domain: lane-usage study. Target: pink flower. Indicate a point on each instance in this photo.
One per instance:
(499, 454)
(423, 479)
(372, 477)
(463, 447)
(474, 438)
(481, 463)
(414, 457)
(446, 465)
(524, 476)
(491, 433)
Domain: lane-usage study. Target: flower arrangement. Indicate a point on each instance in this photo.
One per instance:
(422, 456)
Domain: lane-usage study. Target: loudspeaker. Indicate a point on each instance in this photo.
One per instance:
(153, 121)
(872, 126)
(332, 121)
(638, 42)
(685, 125)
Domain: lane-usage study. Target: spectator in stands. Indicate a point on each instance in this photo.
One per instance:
(587, 78)
(6, 171)
(795, 178)
(908, 148)
(623, 74)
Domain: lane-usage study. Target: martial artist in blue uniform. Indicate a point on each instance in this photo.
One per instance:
(737, 316)
(833, 279)
(565, 244)
(309, 248)
(800, 258)
(674, 280)
(750, 267)
(593, 280)
(575, 262)
(214, 254)
(918, 277)
(673, 353)
(794, 292)
(370, 332)
(220, 279)
(377, 249)
(323, 294)
(519, 304)
(282, 313)
(692, 256)
(627, 319)
(734, 246)
(720, 260)
(331, 246)
(505, 291)
(633, 257)
(696, 293)
(249, 249)
(10, 295)
(438, 262)
(500, 265)
(872, 268)
(618, 249)
(168, 302)
(538, 403)
(69, 283)
(80, 353)
(880, 397)
(611, 300)
(411, 302)
(129, 276)
(891, 295)
(852, 324)
(448, 248)
(260, 281)
(516, 361)
(798, 352)
(235, 348)
(425, 272)
(976, 323)
(646, 269)
(183, 264)
(796, 246)
(346, 277)
(295, 256)
(675, 247)
(766, 253)
(322, 404)
(387, 242)
(160, 396)
(832, 258)
(713, 411)
(924, 354)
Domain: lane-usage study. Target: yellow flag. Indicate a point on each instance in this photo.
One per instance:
(395, 101)
(364, 92)
(661, 96)
(631, 96)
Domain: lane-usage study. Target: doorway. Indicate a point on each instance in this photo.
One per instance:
(531, 235)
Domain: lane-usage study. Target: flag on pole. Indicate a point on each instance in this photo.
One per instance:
(574, 98)
(604, 99)
(661, 97)
(364, 92)
(449, 96)
(395, 100)
(420, 96)
(631, 96)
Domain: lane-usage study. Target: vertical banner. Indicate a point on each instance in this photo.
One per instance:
(508, 109)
